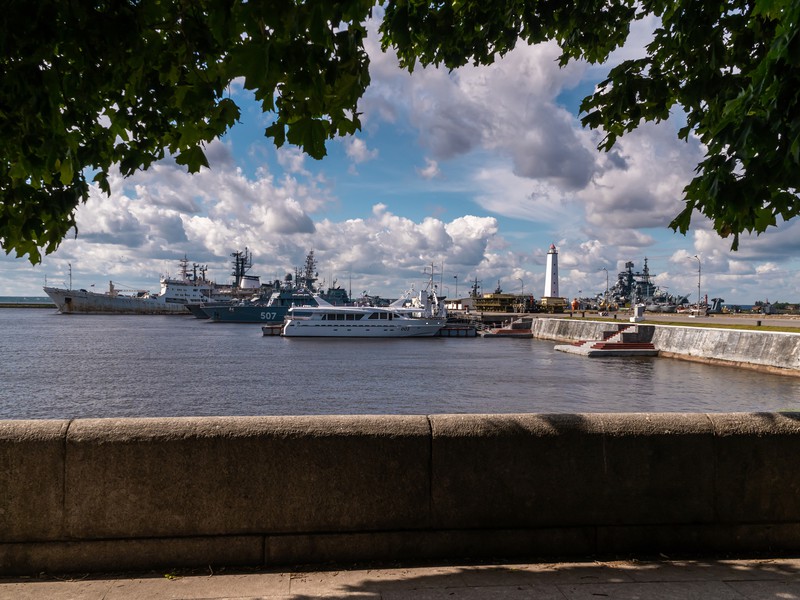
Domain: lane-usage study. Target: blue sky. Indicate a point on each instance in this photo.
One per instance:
(477, 171)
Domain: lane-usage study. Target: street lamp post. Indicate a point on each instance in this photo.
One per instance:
(698, 283)
(456, 278)
(522, 293)
(606, 297)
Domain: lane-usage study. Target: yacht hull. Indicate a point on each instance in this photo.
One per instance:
(424, 328)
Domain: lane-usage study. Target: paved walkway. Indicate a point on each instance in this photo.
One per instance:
(760, 579)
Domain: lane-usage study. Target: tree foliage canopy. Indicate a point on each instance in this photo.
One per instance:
(88, 85)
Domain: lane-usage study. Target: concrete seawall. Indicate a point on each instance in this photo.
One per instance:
(774, 352)
(118, 494)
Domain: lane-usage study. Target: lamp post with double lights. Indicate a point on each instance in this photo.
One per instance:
(606, 297)
(697, 258)
(522, 293)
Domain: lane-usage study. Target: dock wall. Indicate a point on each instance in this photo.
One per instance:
(775, 352)
(131, 494)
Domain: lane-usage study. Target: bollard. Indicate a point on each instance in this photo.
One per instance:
(758, 323)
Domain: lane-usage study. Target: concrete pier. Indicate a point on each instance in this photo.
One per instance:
(769, 351)
(133, 494)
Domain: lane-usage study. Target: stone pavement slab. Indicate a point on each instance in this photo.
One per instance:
(753, 579)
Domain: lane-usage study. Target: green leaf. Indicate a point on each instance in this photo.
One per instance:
(66, 171)
(193, 158)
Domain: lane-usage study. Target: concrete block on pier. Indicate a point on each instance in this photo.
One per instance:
(31, 479)
(228, 475)
(524, 470)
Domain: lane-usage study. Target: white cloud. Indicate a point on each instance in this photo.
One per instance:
(357, 151)
(292, 159)
(499, 190)
(430, 170)
(641, 183)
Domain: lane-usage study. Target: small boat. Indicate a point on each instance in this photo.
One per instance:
(519, 328)
(420, 316)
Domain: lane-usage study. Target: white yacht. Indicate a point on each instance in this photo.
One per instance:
(406, 317)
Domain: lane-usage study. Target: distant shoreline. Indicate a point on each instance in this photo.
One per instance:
(27, 305)
(26, 302)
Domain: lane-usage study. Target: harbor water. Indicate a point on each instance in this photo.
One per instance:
(76, 366)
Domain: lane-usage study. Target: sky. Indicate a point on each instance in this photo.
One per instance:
(475, 171)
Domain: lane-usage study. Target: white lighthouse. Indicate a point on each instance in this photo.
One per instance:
(551, 276)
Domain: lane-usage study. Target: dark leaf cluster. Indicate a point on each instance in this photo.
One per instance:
(85, 86)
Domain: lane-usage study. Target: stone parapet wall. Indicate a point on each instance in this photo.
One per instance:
(115, 494)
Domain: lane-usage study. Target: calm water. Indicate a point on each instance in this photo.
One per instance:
(57, 366)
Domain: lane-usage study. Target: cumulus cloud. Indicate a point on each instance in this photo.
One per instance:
(499, 190)
(357, 151)
(165, 213)
(386, 242)
(507, 108)
(641, 184)
(292, 159)
(430, 170)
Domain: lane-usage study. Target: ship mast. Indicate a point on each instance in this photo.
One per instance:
(309, 273)
(242, 262)
(475, 287)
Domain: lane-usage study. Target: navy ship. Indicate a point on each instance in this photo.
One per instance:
(272, 307)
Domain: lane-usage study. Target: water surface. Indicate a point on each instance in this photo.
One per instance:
(77, 366)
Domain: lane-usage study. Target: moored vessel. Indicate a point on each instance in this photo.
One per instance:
(272, 307)
(408, 316)
(174, 295)
(518, 328)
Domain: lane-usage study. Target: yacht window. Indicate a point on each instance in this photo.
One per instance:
(340, 317)
(350, 317)
(375, 316)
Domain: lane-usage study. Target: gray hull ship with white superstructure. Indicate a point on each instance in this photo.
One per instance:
(172, 299)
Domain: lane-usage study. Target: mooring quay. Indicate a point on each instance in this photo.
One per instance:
(771, 351)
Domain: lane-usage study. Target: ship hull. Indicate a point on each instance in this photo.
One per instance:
(246, 314)
(84, 302)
